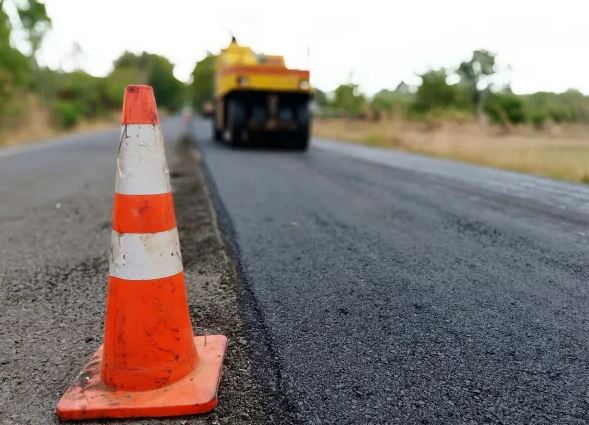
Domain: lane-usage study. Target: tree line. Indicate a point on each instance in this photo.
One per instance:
(69, 97)
(467, 90)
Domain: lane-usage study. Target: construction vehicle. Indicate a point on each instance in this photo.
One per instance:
(256, 98)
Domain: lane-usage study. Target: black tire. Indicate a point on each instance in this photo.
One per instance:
(302, 134)
(301, 142)
(236, 122)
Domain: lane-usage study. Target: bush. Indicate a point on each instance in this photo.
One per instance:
(505, 108)
(113, 86)
(203, 77)
(66, 114)
(435, 94)
(562, 114)
(157, 71)
(570, 106)
(387, 102)
(538, 119)
(348, 100)
(80, 89)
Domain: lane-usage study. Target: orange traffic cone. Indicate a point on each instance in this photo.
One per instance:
(150, 363)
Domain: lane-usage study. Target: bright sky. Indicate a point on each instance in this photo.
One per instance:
(541, 44)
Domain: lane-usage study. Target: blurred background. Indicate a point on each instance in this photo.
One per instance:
(502, 84)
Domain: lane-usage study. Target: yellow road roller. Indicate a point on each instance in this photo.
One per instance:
(257, 98)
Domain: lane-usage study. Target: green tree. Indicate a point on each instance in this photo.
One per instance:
(383, 102)
(34, 20)
(114, 85)
(386, 102)
(348, 100)
(83, 91)
(15, 67)
(72, 96)
(203, 77)
(506, 108)
(435, 93)
(474, 75)
(156, 71)
(320, 98)
(570, 106)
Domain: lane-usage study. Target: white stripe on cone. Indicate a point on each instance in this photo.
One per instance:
(143, 256)
(141, 163)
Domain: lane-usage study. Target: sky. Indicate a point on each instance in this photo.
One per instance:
(540, 44)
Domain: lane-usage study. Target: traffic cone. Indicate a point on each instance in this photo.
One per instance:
(150, 363)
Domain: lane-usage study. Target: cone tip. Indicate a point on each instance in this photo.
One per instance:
(139, 105)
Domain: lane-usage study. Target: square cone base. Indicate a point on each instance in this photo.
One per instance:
(90, 398)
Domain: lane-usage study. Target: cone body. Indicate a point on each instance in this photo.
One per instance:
(150, 363)
(148, 339)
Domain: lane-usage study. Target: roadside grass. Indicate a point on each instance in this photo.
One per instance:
(559, 152)
(37, 124)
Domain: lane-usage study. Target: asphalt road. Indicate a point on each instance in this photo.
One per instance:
(55, 215)
(393, 288)
(373, 287)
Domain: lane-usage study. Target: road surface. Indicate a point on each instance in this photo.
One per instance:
(373, 287)
(55, 210)
(394, 288)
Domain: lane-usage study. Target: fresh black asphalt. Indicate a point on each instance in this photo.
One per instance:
(397, 289)
(374, 287)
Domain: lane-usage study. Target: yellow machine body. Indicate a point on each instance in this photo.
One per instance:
(257, 95)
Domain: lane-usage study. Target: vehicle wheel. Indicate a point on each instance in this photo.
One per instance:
(302, 135)
(236, 122)
(301, 142)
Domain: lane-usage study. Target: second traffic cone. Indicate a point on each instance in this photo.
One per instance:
(150, 364)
